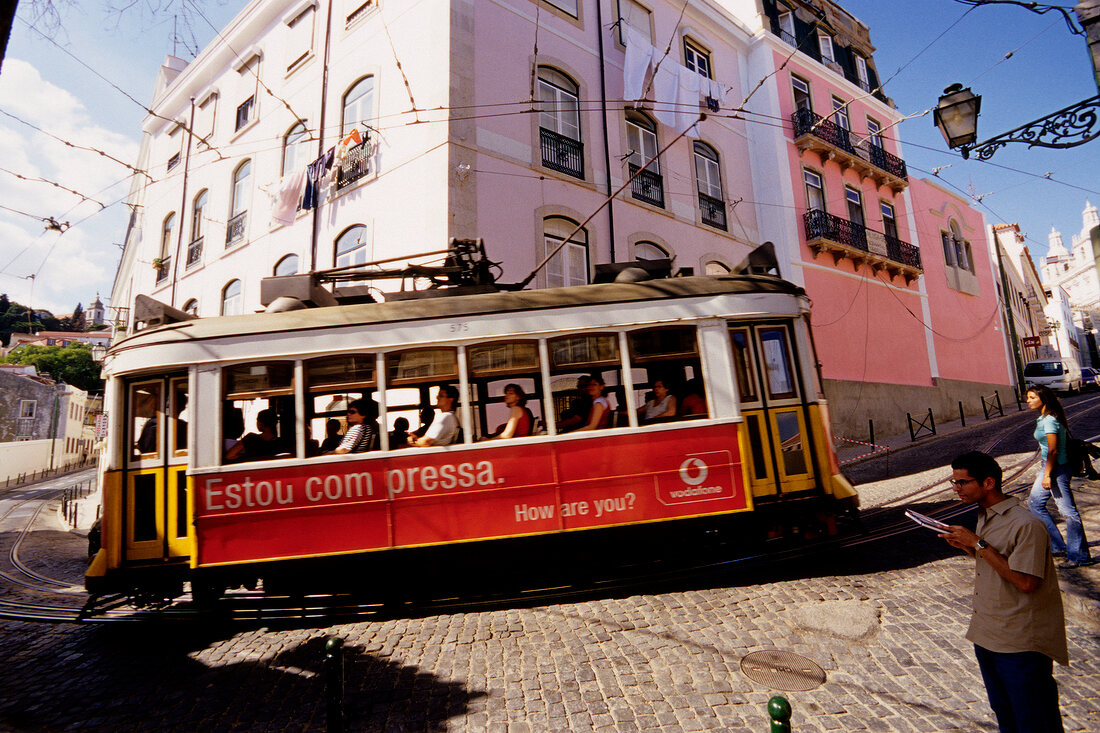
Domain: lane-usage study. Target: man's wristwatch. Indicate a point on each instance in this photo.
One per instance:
(980, 545)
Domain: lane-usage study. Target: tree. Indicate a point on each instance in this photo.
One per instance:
(78, 321)
(72, 364)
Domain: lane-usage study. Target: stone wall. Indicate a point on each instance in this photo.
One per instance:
(14, 388)
(852, 404)
(26, 456)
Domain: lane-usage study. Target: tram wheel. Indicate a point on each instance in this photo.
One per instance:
(206, 594)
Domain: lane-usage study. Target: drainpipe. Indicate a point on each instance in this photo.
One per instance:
(603, 119)
(321, 139)
(183, 205)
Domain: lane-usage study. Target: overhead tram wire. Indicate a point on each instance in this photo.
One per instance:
(116, 87)
(76, 146)
(39, 179)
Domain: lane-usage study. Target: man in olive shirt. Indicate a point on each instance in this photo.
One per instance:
(1018, 627)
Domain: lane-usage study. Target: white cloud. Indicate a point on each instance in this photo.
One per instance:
(72, 267)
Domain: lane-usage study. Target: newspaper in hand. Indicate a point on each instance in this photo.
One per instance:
(925, 521)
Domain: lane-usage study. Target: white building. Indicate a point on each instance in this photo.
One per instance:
(1074, 270)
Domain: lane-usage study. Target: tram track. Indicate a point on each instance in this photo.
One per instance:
(244, 606)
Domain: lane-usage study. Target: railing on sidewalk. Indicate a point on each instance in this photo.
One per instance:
(992, 405)
(916, 427)
(70, 502)
(26, 478)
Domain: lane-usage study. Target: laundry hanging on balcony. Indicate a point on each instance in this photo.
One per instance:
(316, 174)
(287, 194)
(678, 91)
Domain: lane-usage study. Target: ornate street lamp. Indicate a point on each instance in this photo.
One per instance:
(957, 112)
(957, 116)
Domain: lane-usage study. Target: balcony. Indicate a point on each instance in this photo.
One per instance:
(561, 154)
(163, 270)
(844, 238)
(648, 186)
(832, 142)
(356, 164)
(713, 211)
(194, 253)
(234, 230)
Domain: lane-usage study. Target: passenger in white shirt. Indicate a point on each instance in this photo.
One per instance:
(444, 428)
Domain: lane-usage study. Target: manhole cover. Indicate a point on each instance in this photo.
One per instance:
(782, 670)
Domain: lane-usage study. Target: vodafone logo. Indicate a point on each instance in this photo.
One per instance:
(693, 471)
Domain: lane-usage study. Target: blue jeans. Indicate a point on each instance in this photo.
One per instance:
(1021, 690)
(1075, 545)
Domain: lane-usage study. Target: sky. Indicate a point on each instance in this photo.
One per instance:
(922, 47)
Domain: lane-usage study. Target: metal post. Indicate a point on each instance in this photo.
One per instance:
(334, 685)
(871, 431)
(962, 417)
(779, 710)
(909, 420)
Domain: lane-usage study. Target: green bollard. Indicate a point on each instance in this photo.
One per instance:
(334, 685)
(779, 710)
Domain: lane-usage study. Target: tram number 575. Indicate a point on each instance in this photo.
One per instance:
(460, 327)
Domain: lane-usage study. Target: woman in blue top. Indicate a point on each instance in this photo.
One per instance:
(1053, 478)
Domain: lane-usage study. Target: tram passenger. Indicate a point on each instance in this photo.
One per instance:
(427, 415)
(332, 436)
(599, 416)
(576, 414)
(362, 428)
(264, 444)
(694, 404)
(399, 436)
(661, 407)
(232, 428)
(444, 427)
(520, 420)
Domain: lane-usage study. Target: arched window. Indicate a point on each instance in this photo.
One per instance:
(714, 267)
(241, 196)
(570, 265)
(231, 298)
(198, 228)
(295, 149)
(558, 103)
(192, 307)
(641, 138)
(708, 178)
(358, 104)
(351, 249)
(650, 251)
(287, 266)
(166, 231)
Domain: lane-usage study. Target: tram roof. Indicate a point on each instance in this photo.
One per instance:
(427, 309)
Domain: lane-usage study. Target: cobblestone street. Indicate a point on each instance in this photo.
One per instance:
(884, 619)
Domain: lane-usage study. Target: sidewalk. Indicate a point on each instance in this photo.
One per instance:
(1081, 586)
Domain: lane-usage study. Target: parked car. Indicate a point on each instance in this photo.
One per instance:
(1090, 379)
(1059, 375)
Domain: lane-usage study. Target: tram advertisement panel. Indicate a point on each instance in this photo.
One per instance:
(412, 498)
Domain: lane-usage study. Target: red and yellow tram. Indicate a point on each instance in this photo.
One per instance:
(177, 508)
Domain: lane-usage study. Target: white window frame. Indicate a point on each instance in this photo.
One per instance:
(232, 304)
(570, 265)
(697, 59)
(558, 105)
(643, 144)
(815, 185)
(250, 113)
(708, 171)
(840, 114)
(167, 227)
(854, 197)
(295, 150)
(640, 248)
(786, 25)
(861, 73)
(279, 265)
(636, 16)
(569, 7)
(798, 84)
(825, 41)
(889, 214)
(360, 108)
(874, 133)
(241, 189)
(301, 27)
(23, 405)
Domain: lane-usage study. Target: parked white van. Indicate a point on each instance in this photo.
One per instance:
(1058, 374)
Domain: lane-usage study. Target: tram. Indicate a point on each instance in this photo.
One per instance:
(748, 452)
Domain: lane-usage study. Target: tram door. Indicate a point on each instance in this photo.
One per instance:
(156, 470)
(778, 456)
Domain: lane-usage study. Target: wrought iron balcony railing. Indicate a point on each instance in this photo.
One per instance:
(561, 153)
(194, 252)
(234, 230)
(647, 186)
(356, 164)
(713, 211)
(846, 238)
(848, 148)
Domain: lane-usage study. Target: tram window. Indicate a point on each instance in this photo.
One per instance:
(145, 422)
(180, 417)
(493, 368)
(333, 382)
(742, 363)
(669, 356)
(776, 353)
(411, 380)
(574, 361)
(262, 396)
(789, 428)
